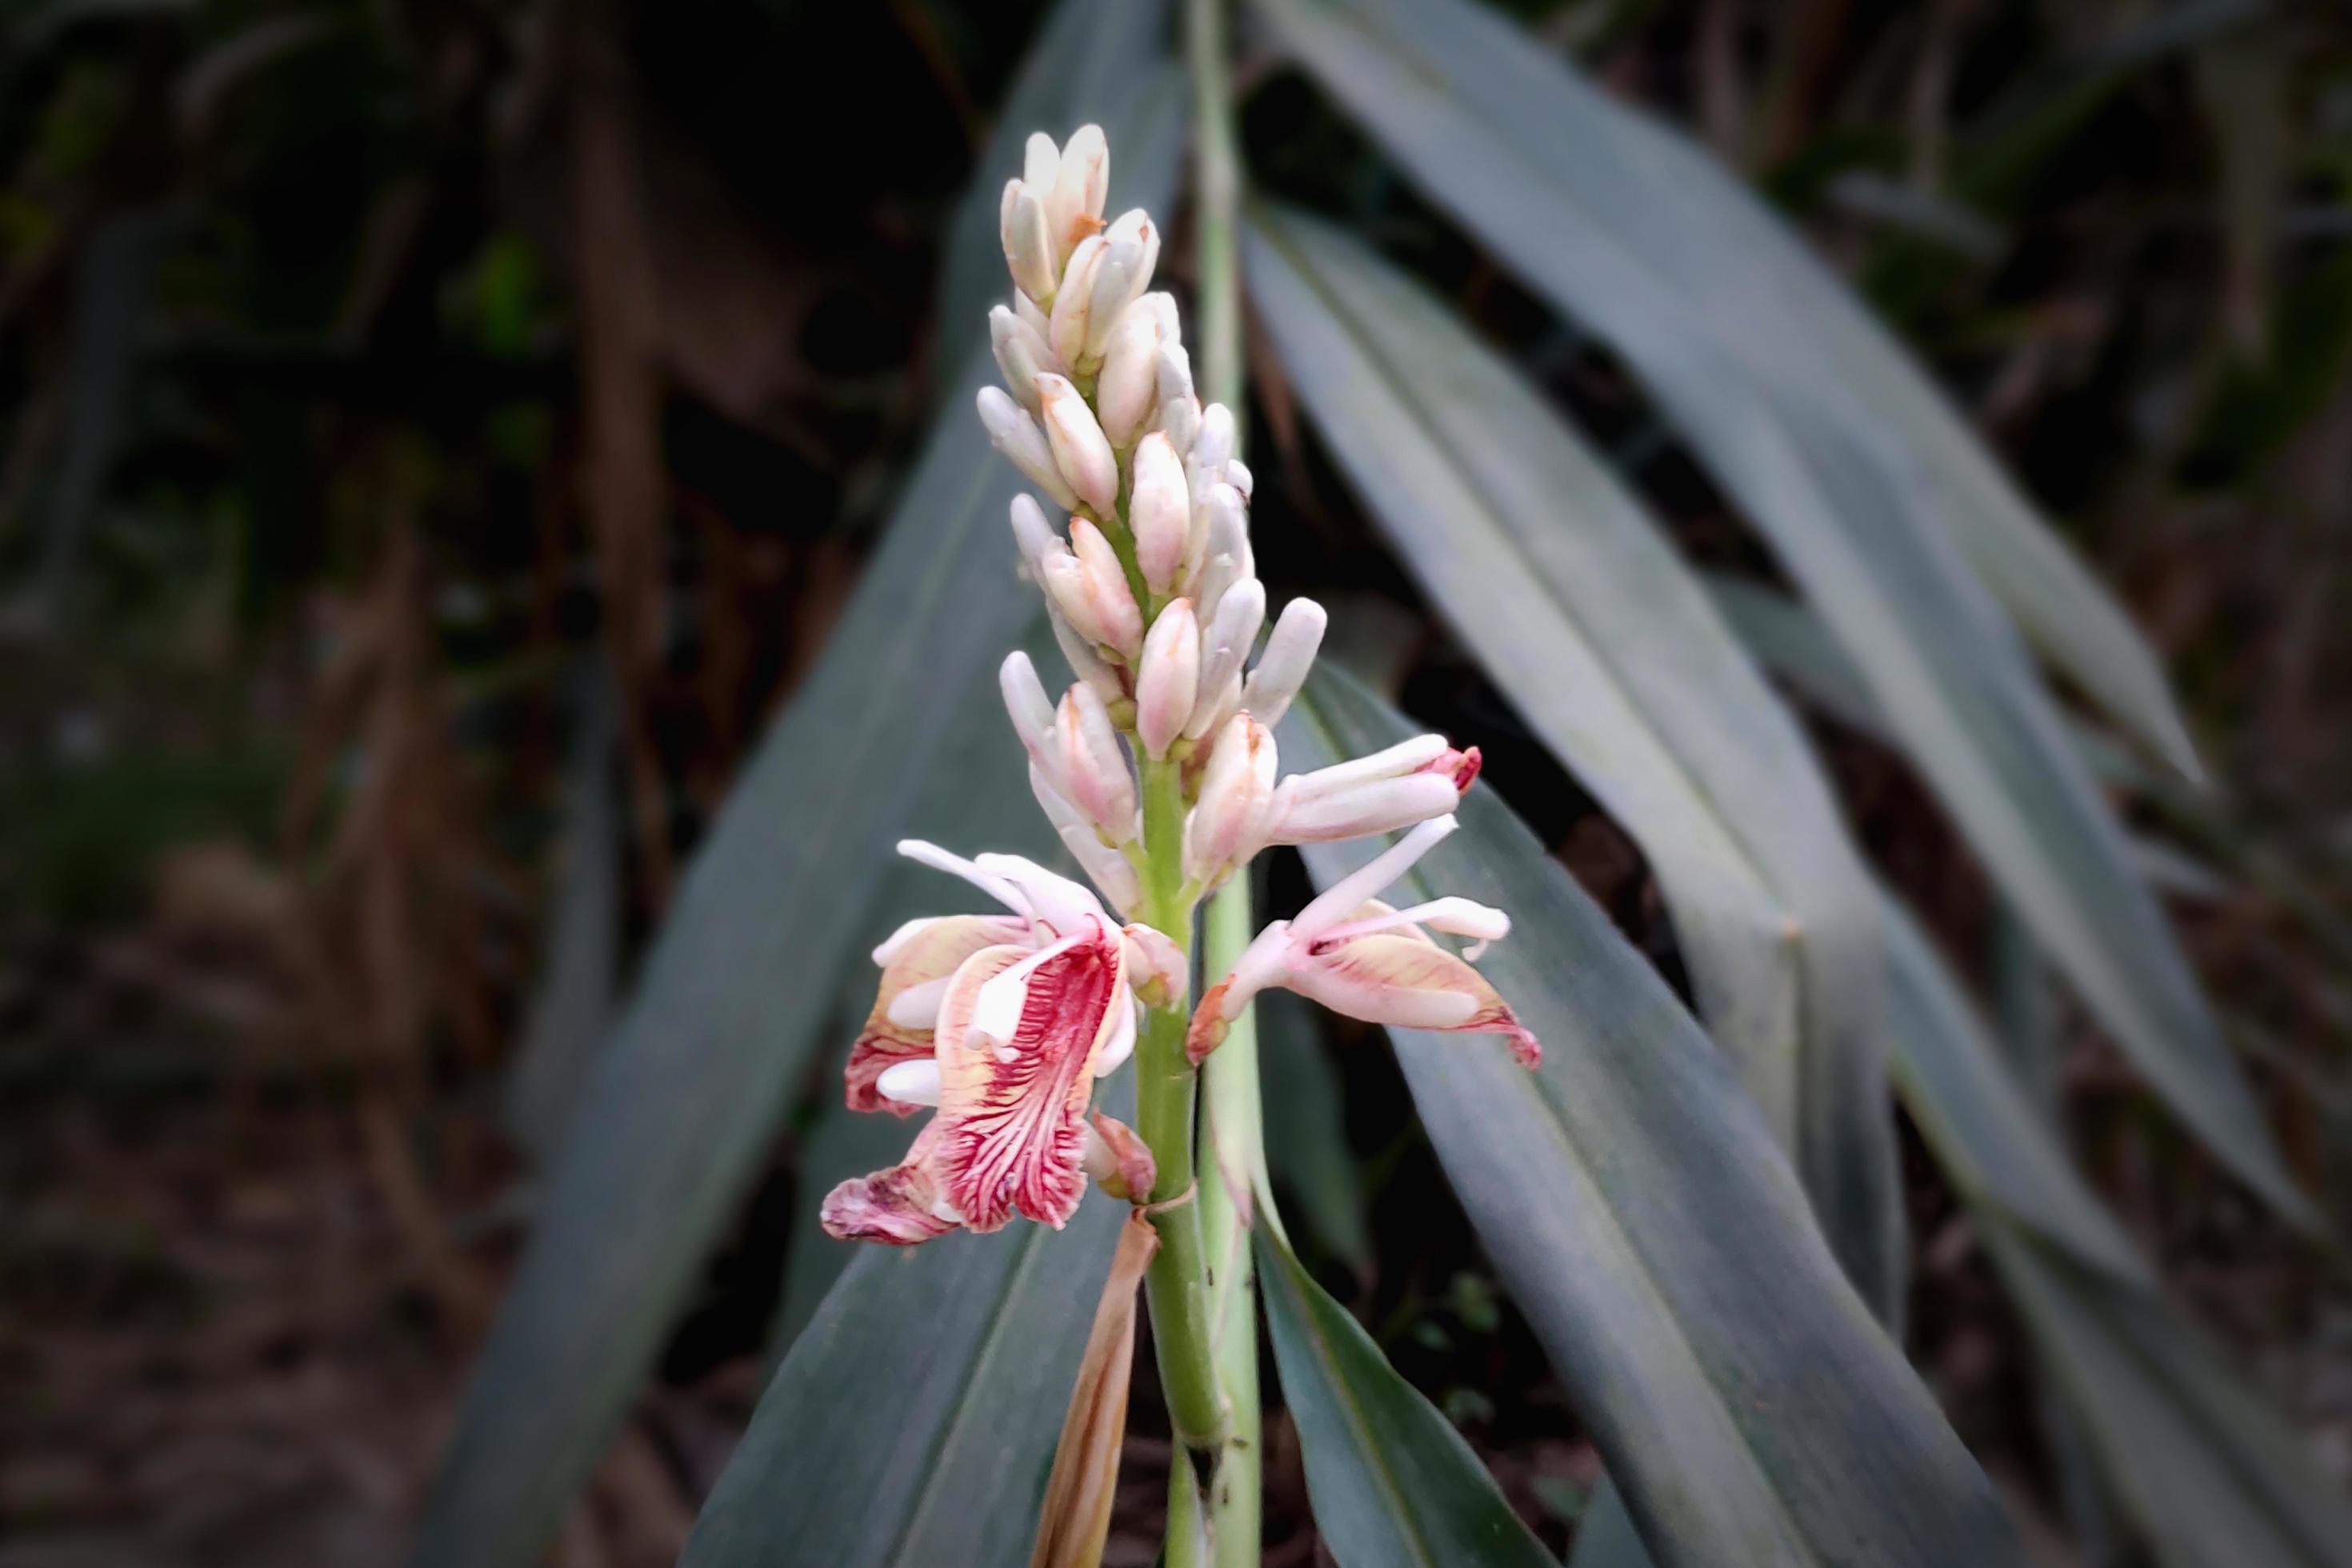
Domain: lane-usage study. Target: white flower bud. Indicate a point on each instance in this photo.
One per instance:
(1214, 708)
(1213, 448)
(1225, 826)
(1290, 653)
(1160, 510)
(1226, 644)
(1016, 433)
(1168, 678)
(1237, 475)
(1078, 444)
(1021, 355)
(1040, 161)
(1031, 710)
(1105, 867)
(1028, 253)
(1132, 250)
(1035, 320)
(1031, 534)
(1377, 805)
(1088, 584)
(1073, 306)
(1162, 308)
(1220, 541)
(1090, 761)
(1074, 208)
(1125, 390)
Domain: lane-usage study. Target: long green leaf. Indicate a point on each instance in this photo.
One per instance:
(1598, 635)
(1494, 134)
(743, 973)
(1643, 1218)
(1755, 288)
(914, 1421)
(1307, 1148)
(1392, 1482)
(1990, 1139)
(2212, 1475)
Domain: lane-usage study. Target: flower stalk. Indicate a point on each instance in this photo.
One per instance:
(1158, 769)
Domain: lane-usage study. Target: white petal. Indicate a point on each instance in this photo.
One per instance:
(911, 1082)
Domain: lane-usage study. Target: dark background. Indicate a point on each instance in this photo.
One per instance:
(399, 400)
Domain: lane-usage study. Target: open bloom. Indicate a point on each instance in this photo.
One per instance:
(1003, 1023)
(1359, 957)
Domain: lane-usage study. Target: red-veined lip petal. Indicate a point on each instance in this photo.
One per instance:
(1014, 1114)
(917, 954)
(901, 1206)
(1409, 982)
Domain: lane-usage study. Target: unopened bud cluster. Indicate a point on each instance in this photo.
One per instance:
(1152, 589)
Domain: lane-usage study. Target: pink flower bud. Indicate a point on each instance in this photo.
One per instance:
(1160, 510)
(1168, 678)
(1089, 760)
(1227, 824)
(1080, 450)
(1088, 585)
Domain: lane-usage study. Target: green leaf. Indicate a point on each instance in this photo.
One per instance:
(1597, 632)
(916, 1417)
(572, 1010)
(1516, 145)
(1307, 1136)
(1391, 1481)
(2214, 1477)
(742, 977)
(1641, 1215)
(1583, 204)
(2212, 1474)
(1988, 1136)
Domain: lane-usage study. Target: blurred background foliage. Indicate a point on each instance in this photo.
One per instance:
(434, 438)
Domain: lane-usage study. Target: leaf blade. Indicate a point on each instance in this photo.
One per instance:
(1391, 1481)
(1601, 638)
(1642, 1217)
(937, 1430)
(1852, 511)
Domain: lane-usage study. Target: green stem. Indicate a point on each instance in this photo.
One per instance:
(1177, 1286)
(1217, 173)
(1233, 1134)
(1235, 1118)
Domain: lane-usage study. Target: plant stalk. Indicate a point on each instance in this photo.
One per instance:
(1234, 1124)
(1177, 1286)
